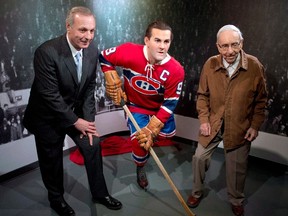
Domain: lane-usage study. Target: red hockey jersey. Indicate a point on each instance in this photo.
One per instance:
(150, 89)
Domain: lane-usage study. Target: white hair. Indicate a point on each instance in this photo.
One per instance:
(230, 27)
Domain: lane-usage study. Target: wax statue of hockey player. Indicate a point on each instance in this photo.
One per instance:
(152, 86)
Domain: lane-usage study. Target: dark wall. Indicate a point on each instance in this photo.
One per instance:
(25, 24)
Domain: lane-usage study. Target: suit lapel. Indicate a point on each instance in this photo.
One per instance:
(68, 59)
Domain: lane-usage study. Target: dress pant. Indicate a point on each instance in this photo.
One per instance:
(236, 169)
(49, 144)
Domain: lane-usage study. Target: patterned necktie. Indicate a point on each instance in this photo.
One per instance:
(79, 65)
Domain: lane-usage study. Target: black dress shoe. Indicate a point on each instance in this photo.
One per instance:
(62, 208)
(109, 202)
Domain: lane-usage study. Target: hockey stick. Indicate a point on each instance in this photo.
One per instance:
(180, 198)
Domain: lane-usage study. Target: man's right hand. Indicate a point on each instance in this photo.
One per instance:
(205, 129)
(114, 87)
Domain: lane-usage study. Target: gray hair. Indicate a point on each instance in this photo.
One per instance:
(230, 27)
(77, 10)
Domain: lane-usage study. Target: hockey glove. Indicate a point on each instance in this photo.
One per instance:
(114, 87)
(148, 133)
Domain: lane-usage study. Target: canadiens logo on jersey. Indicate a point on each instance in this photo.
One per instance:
(144, 85)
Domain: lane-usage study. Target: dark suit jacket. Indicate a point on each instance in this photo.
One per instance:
(56, 97)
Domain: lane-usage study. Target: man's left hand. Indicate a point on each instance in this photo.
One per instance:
(145, 138)
(86, 128)
(148, 133)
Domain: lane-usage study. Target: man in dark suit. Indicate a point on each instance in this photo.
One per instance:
(62, 103)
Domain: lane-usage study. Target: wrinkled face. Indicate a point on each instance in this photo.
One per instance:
(229, 45)
(81, 33)
(158, 45)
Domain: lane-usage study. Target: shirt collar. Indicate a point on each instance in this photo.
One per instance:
(166, 59)
(234, 65)
(72, 48)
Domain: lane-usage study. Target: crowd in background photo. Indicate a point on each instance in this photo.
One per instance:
(26, 24)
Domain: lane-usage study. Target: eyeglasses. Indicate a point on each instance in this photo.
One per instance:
(225, 47)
